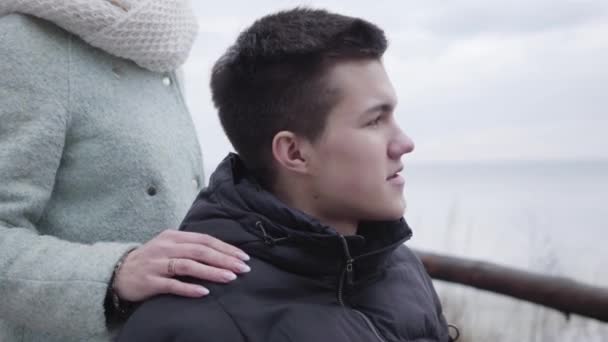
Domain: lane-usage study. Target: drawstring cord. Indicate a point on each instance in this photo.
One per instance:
(269, 240)
(455, 329)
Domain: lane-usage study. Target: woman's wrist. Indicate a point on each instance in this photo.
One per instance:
(117, 309)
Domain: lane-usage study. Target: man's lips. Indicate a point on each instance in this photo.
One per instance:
(395, 174)
(396, 178)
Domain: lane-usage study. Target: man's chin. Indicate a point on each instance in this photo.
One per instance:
(391, 215)
(400, 207)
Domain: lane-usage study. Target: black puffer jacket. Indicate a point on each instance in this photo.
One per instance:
(307, 283)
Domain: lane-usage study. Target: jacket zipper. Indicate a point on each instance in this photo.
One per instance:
(348, 269)
(348, 274)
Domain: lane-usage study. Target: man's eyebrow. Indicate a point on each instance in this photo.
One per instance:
(382, 107)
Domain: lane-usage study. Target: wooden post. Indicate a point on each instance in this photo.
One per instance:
(559, 293)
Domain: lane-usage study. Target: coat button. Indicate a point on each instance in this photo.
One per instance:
(167, 81)
(151, 191)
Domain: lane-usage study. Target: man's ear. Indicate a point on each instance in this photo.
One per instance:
(289, 152)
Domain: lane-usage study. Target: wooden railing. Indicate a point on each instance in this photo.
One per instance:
(559, 293)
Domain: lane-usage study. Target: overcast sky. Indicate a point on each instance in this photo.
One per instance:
(476, 79)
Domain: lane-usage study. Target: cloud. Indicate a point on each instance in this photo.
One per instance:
(466, 18)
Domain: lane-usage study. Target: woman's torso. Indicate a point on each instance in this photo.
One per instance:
(130, 165)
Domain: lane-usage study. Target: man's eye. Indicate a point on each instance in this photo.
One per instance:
(376, 121)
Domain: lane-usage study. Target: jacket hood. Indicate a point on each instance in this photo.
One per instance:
(236, 209)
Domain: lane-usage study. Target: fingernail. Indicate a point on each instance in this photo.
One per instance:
(229, 276)
(243, 256)
(202, 291)
(243, 268)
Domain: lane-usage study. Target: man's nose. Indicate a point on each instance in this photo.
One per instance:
(400, 145)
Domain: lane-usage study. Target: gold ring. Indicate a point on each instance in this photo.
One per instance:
(171, 267)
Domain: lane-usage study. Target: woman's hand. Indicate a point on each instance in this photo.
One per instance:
(150, 269)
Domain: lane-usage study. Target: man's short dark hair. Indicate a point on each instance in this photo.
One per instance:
(272, 78)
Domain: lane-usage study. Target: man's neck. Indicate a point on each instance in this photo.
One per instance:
(307, 205)
(343, 228)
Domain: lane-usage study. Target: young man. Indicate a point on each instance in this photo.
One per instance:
(314, 195)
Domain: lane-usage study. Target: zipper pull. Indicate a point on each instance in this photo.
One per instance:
(350, 278)
(350, 274)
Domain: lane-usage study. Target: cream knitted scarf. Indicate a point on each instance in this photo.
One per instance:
(155, 34)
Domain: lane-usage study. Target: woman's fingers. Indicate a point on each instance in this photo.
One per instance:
(209, 241)
(211, 257)
(176, 287)
(190, 268)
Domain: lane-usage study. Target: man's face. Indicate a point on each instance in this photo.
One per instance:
(354, 164)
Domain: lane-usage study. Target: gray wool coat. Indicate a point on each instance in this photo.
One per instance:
(96, 156)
